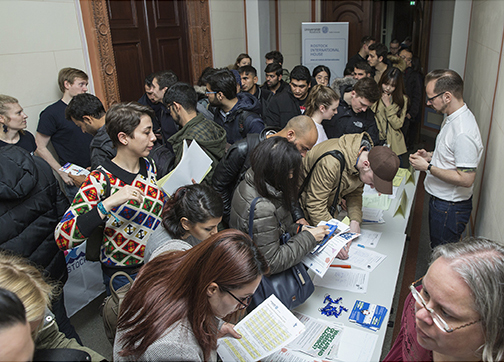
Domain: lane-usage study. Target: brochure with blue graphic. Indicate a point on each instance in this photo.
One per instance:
(368, 315)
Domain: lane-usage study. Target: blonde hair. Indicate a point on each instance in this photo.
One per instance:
(27, 282)
(69, 75)
(4, 101)
(320, 95)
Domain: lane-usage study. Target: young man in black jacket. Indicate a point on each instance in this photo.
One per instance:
(354, 113)
(290, 103)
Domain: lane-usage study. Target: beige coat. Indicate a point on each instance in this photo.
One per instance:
(320, 191)
(389, 124)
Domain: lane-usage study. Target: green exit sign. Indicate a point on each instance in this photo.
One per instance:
(412, 3)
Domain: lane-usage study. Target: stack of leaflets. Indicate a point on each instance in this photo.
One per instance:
(368, 315)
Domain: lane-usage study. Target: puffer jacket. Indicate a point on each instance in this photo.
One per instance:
(319, 193)
(389, 125)
(271, 220)
(31, 205)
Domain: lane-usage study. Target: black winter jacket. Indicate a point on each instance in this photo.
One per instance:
(282, 107)
(31, 205)
(413, 84)
(346, 121)
(101, 148)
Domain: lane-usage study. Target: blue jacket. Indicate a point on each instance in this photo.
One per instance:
(233, 120)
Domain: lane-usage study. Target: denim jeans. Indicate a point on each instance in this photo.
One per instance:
(70, 191)
(447, 220)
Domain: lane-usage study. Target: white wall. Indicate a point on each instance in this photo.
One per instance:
(228, 31)
(291, 14)
(484, 82)
(441, 34)
(38, 39)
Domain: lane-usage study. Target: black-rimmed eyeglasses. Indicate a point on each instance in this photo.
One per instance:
(429, 100)
(244, 302)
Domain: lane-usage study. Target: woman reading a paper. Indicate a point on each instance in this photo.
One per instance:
(173, 310)
(455, 312)
(272, 178)
(191, 215)
(122, 193)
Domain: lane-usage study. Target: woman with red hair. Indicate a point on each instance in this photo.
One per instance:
(174, 308)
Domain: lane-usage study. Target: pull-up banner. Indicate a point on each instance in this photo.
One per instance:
(325, 44)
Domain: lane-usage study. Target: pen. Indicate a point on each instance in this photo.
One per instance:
(341, 266)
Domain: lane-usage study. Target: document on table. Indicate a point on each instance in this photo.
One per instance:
(194, 164)
(368, 191)
(368, 238)
(353, 280)
(320, 338)
(381, 202)
(364, 258)
(265, 330)
(355, 345)
(372, 215)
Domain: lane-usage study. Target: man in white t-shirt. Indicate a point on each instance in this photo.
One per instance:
(451, 167)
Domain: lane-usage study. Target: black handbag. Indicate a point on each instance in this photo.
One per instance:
(95, 240)
(292, 286)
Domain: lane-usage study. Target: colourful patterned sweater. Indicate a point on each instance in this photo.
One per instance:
(124, 240)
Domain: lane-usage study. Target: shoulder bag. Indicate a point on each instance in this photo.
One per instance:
(292, 286)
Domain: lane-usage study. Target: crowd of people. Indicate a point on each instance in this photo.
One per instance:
(286, 155)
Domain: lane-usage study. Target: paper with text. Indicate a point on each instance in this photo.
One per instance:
(353, 280)
(369, 238)
(265, 330)
(320, 339)
(194, 164)
(364, 258)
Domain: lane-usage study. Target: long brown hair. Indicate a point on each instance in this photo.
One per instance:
(394, 76)
(173, 285)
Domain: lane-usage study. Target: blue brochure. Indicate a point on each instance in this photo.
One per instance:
(368, 315)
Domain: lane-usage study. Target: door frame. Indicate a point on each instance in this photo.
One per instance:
(101, 53)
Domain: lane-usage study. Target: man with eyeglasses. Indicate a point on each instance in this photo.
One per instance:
(181, 100)
(237, 113)
(451, 167)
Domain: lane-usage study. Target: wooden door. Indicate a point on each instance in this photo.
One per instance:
(363, 17)
(148, 36)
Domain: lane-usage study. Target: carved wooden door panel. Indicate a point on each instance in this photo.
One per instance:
(148, 36)
(363, 17)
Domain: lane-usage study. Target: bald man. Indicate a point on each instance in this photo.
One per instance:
(300, 131)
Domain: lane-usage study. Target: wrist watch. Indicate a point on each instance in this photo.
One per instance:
(429, 167)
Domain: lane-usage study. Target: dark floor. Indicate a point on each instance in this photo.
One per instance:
(89, 324)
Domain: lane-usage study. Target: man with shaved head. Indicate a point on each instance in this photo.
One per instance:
(300, 131)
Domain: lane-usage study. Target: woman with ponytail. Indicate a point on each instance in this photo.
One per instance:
(192, 214)
(321, 104)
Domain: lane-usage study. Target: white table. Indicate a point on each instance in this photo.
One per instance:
(382, 281)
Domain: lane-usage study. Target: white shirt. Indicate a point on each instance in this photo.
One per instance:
(458, 145)
(321, 133)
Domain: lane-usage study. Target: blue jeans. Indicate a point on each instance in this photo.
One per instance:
(447, 220)
(118, 282)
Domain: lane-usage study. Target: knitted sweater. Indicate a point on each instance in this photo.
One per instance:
(124, 240)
